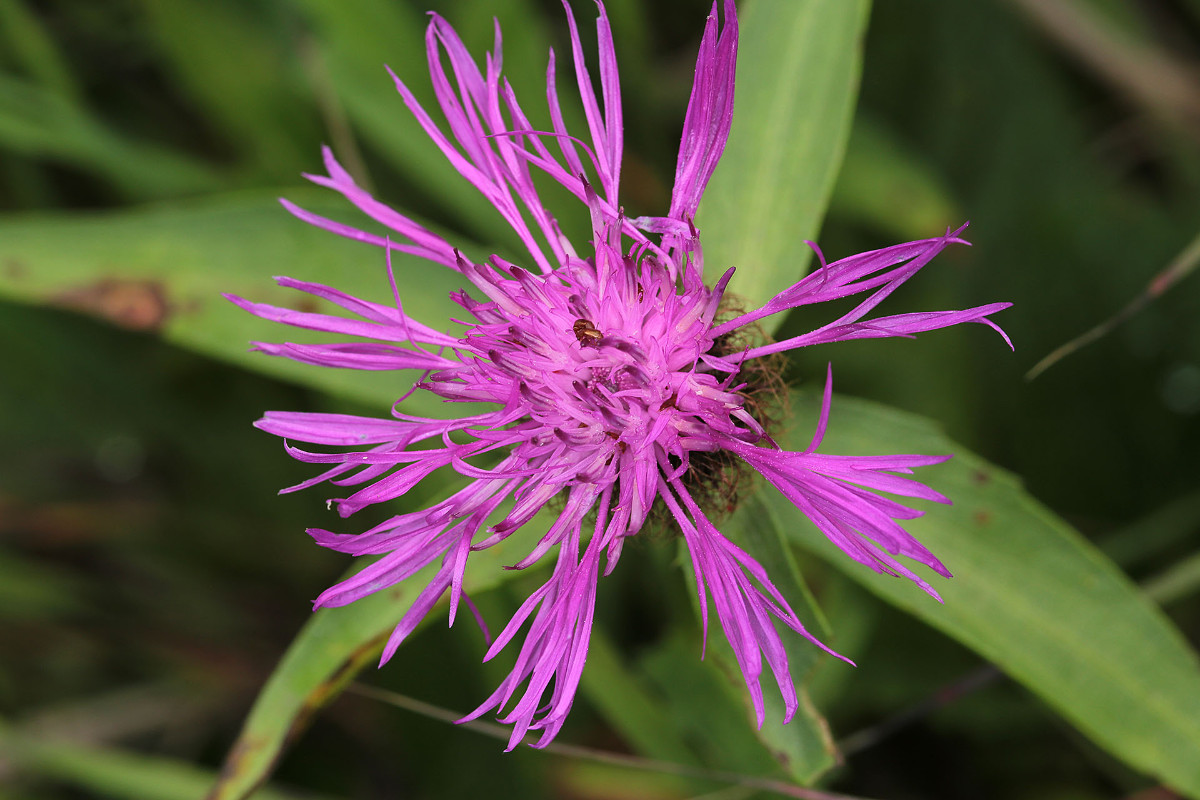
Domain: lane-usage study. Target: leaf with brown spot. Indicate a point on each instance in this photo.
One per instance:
(163, 269)
(1029, 594)
(14, 270)
(139, 305)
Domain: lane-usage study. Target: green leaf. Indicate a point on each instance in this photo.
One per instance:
(1029, 594)
(41, 122)
(357, 38)
(163, 270)
(798, 70)
(333, 647)
(804, 746)
(707, 710)
(111, 772)
(31, 47)
(630, 706)
(246, 80)
(662, 712)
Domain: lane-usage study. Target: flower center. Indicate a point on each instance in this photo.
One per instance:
(605, 365)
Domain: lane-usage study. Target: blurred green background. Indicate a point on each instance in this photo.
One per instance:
(150, 577)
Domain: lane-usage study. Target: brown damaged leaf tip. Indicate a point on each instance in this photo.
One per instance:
(324, 692)
(139, 305)
(232, 769)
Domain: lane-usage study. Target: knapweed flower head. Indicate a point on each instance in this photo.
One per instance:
(606, 375)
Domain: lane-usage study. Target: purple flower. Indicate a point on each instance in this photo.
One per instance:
(608, 378)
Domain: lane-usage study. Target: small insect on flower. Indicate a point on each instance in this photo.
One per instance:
(586, 333)
(613, 380)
